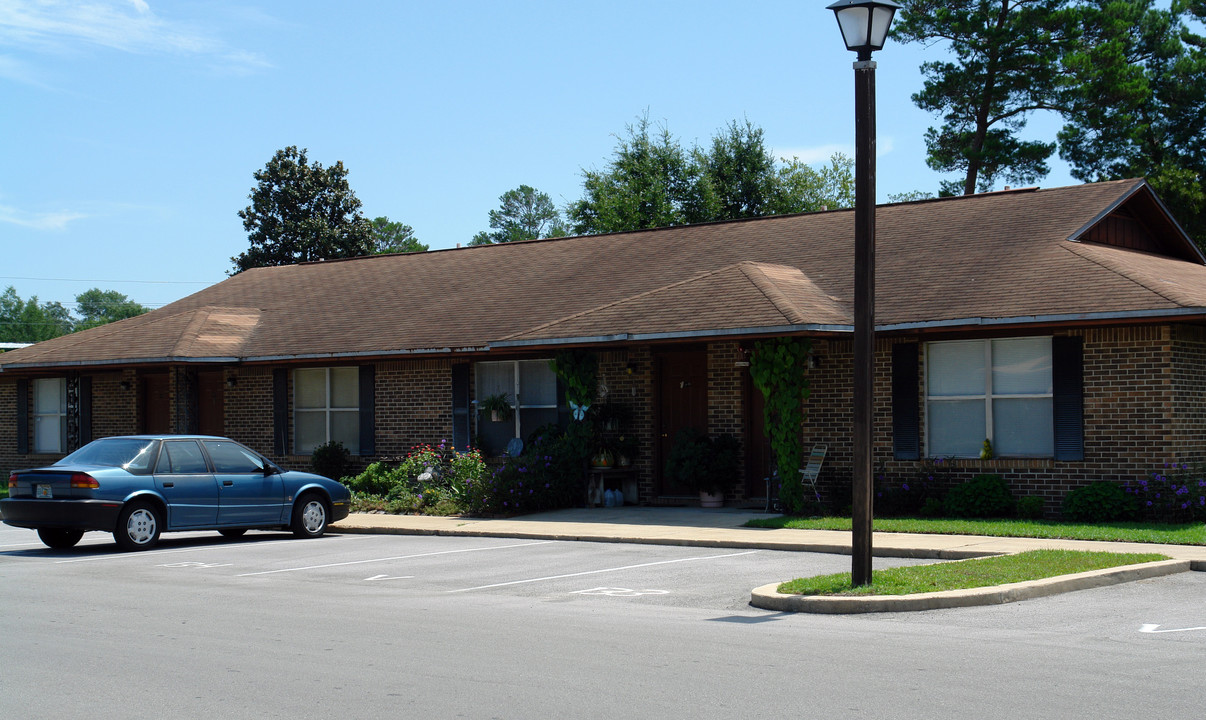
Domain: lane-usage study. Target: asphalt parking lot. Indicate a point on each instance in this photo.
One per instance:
(714, 578)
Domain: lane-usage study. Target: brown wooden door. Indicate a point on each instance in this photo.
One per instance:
(155, 404)
(211, 396)
(759, 458)
(682, 403)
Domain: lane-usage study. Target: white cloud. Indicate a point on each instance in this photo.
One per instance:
(820, 154)
(38, 221)
(123, 25)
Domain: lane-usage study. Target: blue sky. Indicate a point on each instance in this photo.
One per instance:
(130, 129)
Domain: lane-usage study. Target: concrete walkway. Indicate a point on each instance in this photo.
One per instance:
(724, 528)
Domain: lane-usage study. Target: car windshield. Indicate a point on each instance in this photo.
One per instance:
(132, 454)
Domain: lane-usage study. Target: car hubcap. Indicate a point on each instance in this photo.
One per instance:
(141, 526)
(314, 516)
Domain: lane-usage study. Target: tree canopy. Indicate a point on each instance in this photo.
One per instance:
(30, 321)
(1007, 66)
(1139, 105)
(524, 213)
(394, 237)
(99, 307)
(652, 181)
(301, 211)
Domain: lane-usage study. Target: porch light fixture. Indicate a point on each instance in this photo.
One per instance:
(864, 25)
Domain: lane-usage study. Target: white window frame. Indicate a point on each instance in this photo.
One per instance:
(57, 444)
(327, 410)
(517, 401)
(988, 396)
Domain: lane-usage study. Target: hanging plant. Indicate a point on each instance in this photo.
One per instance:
(777, 367)
(499, 406)
(579, 370)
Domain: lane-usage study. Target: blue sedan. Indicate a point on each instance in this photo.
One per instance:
(139, 486)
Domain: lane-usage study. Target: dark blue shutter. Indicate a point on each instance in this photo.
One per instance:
(22, 417)
(280, 412)
(460, 406)
(906, 410)
(85, 410)
(368, 412)
(1067, 402)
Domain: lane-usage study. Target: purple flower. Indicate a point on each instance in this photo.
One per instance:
(905, 487)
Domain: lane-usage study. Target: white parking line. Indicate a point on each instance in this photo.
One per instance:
(398, 557)
(605, 570)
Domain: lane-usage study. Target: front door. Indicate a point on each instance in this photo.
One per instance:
(155, 402)
(682, 402)
(211, 397)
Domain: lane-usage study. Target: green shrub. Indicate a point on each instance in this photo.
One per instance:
(1099, 502)
(550, 474)
(433, 480)
(933, 507)
(984, 496)
(1031, 507)
(330, 460)
(1175, 494)
(704, 464)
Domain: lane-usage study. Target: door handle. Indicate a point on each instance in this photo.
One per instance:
(227, 483)
(169, 484)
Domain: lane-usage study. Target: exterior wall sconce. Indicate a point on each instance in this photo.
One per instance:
(232, 381)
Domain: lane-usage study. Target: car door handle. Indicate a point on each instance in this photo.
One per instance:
(169, 484)
(227, 483)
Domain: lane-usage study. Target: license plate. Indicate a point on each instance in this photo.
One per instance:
(44, 491)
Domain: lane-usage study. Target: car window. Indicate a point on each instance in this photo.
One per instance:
(181, 456)
(133, 454)
(230, 457)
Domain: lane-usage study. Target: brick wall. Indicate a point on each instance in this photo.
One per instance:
(1144, 405)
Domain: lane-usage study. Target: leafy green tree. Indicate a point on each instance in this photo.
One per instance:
(99, 307)
(1007, 66)
(525, 213)
(650, 182)
(804, 188)
(1138, 108)
(28, 321)
(739, 173)
(301, 212)
(394, 237)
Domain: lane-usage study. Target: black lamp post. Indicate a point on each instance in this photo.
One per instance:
(864, 25)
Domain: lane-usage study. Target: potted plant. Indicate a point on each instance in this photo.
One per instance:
(707, 466)
(499, 407)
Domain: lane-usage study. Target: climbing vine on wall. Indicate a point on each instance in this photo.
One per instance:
(778, 369)
(579, 370)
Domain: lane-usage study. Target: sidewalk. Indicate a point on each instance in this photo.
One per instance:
(724, 528)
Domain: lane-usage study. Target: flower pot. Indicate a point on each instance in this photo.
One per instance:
(495, 417)
(711, 500)
(604, 459)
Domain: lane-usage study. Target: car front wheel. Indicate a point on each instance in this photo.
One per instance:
(309, 517)
(60, 539)
(138, 527)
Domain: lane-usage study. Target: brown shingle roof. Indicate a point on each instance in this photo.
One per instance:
(988, 257)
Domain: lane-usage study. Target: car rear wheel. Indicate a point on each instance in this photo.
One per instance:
(309, 516)
(233, 532)
(138, 527)
(60, 539)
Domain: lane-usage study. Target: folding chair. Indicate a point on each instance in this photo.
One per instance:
(813, 469)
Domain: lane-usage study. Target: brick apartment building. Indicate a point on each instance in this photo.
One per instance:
(1067, 326)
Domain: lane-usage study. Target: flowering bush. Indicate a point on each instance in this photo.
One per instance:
(895, 498)
(548, 475)
(1177, 494)
(430, 479)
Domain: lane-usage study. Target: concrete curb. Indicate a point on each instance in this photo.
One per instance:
(767, 597)
(831, 549)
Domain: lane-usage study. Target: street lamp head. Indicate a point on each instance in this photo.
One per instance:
(864, 23)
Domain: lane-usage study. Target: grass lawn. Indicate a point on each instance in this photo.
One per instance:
(981, 572)
(1188, 534)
